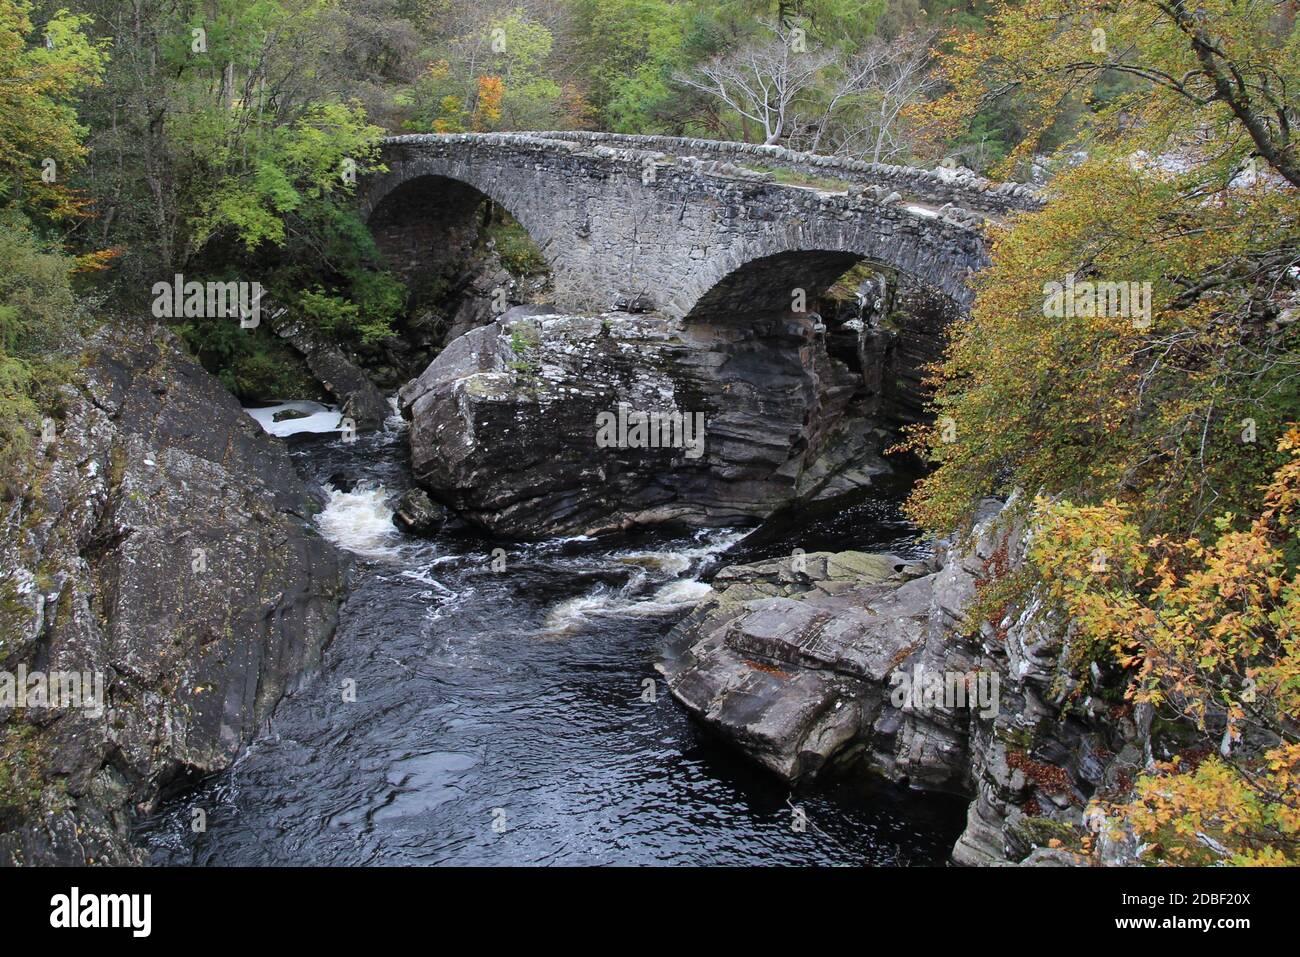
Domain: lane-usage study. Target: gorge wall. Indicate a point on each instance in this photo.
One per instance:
(506, 423)
(161, 541)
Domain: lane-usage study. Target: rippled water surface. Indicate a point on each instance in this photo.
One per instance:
(501, 713)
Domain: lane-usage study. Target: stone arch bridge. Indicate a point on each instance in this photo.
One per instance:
(687, 226)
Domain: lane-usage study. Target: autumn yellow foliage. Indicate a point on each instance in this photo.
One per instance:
(487, 109)
(1210, 632)
(1158, 446)
(1179, 411)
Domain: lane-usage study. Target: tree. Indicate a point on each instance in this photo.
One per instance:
(762, 82)
(40, 145)
(490, 77)
(625, 52)
(1155, 419)
(1231, 64)
(868, 103)
(1176, 410)
(225, 146)
(40, 135)
(197, 98)
(1211, 633)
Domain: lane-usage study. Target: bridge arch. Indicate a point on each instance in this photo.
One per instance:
(795, 408)
(623, 222)
(768, 269)
(425, 221)
(770, 284)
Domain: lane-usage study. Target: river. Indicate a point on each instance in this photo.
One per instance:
(502, 710)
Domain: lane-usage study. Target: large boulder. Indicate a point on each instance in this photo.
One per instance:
(162, 542)
(507, 423)
(792, 660)
(813, 662)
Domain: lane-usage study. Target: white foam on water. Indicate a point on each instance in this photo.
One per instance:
(315, 418)
(361, 521)
(423, 576)
(395, 422)
(669, 563)
(676, 561)
(573, 615)
(675, 595)
(570, 616)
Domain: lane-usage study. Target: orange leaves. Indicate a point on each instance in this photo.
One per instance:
(1049, 777)
(1282, 495)
(96, 260)
(1209, 629)
(487, 108)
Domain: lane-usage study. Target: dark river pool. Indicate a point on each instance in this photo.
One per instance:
(500, 713)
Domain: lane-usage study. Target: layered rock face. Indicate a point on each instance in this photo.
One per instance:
(899, 331)
(163, 543)
(791, 659)
(529, 426)
(857, 662)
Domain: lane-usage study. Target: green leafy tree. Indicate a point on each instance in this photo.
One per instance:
(629, 50)
(40, 79)
(489, 78)
(226, 148)
(40, 144)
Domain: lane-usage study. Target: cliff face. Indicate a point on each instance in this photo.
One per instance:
(162, 543)
(853, 662)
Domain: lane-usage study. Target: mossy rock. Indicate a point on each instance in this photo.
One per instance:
(1032, 831)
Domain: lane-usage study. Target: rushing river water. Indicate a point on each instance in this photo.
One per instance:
(500, 713)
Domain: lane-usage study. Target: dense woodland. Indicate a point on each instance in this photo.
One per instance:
(1158, 464)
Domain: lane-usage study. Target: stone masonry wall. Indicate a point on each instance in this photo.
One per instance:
(625, 222)
(959, 187)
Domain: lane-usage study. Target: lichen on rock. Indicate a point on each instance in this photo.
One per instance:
(163, 542)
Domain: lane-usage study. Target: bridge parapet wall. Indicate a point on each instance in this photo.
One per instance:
(938, 185)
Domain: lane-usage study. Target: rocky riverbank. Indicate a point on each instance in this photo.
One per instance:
(161, 541)
(855, 663)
